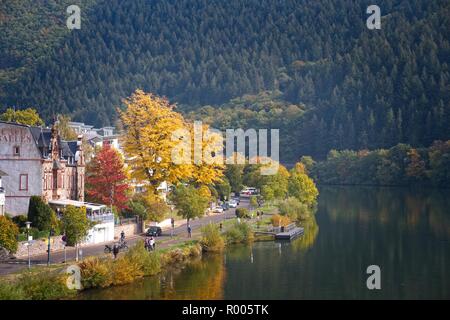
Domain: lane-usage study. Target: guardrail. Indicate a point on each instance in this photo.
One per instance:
(101, 218)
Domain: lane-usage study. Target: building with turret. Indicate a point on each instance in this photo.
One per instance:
(36, 161)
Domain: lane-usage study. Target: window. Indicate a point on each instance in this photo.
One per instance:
(16, 150)
(23, 182)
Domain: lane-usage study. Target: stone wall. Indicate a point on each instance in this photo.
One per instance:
(129, 229)
(39, 247)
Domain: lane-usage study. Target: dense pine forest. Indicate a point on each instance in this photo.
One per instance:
(309, 67)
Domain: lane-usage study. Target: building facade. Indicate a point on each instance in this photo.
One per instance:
(37, 161)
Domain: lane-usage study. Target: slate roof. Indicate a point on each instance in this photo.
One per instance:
(42, 137)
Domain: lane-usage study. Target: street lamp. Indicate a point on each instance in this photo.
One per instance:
(48, 248)
(28, 225)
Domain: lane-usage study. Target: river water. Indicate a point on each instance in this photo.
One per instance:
(405, 232)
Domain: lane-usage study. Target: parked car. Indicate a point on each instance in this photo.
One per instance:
(218, 209)
(233, 203)
(154, 231)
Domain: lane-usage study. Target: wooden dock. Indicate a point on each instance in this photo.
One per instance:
(288, 232)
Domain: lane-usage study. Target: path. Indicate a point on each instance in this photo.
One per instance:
(164, 241)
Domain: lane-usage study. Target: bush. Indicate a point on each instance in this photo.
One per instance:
(242, 213)
(8, 234)
(125, 271)
(20, 220)
(40, 213)
(148, 263)
(10, 291)
(294, 209)
(279, 220)
(44, 286)
(239, 233)
(95, 273)
(211, 240)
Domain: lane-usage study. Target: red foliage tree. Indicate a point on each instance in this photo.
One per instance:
(106, 178)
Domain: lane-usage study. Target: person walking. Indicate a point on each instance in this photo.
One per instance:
(147, 243)
(122, 236)
(189, 230)
(152, 243)
(220, 226)
(115, 250)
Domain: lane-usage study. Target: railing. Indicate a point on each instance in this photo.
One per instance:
(101, 217)
(127, 221)
(287, 228)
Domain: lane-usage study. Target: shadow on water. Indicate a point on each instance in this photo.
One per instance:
(404, 231)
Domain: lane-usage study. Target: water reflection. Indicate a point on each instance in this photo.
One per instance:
(405, 232)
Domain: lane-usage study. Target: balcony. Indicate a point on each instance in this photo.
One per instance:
(101, 218)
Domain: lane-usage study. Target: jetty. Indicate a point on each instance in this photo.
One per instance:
(288, 232)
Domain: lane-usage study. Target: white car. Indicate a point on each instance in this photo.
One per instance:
(232, 204)
(218, 209)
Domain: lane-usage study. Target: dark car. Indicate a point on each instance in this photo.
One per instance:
(154, 231)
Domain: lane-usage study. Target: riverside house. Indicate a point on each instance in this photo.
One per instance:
(38, 162)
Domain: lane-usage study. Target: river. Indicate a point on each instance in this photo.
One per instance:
(403, 231)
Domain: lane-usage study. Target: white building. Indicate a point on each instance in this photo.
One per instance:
(103, 230)
(2, 194)
(97, 137)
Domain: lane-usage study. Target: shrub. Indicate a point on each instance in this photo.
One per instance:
(148, 263)
(10, 291)
(44, 286)
(239, 233)
(242, 213)
(20, 220)
(95, 273)
(8, 234)
(40, 213)
(125, 271)
(279, 220)
(211, 240)
(294, 209)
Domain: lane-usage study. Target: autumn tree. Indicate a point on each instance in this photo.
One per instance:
(27, 116)
(301, 186)
(106, 179)
(8, 234)
(207, 162)
(64, 130)
(149, 122)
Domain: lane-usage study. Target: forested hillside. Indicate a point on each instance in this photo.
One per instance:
(309, 67)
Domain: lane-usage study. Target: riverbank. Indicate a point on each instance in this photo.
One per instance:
(51, 282)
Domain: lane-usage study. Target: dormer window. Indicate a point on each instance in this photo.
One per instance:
(16, 151)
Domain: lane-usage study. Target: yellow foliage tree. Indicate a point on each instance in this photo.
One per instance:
(207, 161)
(149, 122)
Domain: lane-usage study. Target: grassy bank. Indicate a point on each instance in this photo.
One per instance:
(50, 283)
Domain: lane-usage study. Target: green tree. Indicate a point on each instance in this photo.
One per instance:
(76, 225)
(27, 116)
(189, 201)
(223, 189)
(40, 214)
(8, 234)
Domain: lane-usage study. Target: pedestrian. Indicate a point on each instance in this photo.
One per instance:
(220, 226)
(122, 236)
(152, 243)
(172, 221)
(147, 243)
(115, 250)
(189, 230)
